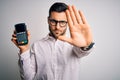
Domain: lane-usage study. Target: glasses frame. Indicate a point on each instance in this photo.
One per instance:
(55, 22)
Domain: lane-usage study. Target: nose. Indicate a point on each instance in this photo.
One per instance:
(57, 26)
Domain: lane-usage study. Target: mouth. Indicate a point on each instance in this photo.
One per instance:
(57, 31)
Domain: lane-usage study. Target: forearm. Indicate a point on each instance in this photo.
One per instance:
(81, 52)
(27, 65)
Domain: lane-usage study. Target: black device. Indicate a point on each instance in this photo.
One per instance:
(21, 34)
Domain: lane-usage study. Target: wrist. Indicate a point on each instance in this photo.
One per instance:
(88, 47)
(23, 50)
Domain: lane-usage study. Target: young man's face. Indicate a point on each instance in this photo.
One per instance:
(57, 24)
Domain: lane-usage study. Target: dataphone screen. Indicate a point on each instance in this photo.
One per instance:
(20, 27)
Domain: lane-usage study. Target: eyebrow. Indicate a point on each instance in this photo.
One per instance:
(59, 20)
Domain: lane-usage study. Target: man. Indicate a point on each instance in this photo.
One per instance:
(57, 57)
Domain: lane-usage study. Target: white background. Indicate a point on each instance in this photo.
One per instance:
(103, 16)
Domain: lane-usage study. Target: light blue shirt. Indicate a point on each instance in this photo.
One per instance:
(50, 59)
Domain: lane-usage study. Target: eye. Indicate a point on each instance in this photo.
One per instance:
(62, 23)
(53, 22)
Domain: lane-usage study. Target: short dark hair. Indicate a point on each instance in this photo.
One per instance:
(58, 7)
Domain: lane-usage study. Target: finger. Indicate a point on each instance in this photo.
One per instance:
(28, 33)
(72, 14)
(14, 40)
(69, 19)
(83, 17)
(77, 15)
(14, 31)
(14, 35)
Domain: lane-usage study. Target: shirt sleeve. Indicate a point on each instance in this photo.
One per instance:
(27, 65)
(80, 52)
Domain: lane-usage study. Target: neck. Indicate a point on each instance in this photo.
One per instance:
(50, 34)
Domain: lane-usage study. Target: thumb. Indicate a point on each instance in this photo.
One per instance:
(66, 39)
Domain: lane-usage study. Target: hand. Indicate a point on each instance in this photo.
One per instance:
(22, 48)
(80, 32)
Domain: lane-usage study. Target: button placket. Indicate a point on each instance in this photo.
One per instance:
(55, 59)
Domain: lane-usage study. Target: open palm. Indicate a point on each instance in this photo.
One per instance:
(80, 32)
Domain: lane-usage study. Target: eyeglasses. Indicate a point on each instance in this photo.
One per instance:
(54, 22)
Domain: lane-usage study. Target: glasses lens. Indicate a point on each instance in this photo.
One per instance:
(52, 22)
(62, 23)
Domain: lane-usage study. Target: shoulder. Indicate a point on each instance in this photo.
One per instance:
(38, 44)
(40, 41)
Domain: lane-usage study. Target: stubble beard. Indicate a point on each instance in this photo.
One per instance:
(55, 35)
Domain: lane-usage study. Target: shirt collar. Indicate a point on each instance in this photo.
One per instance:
(48, 37)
